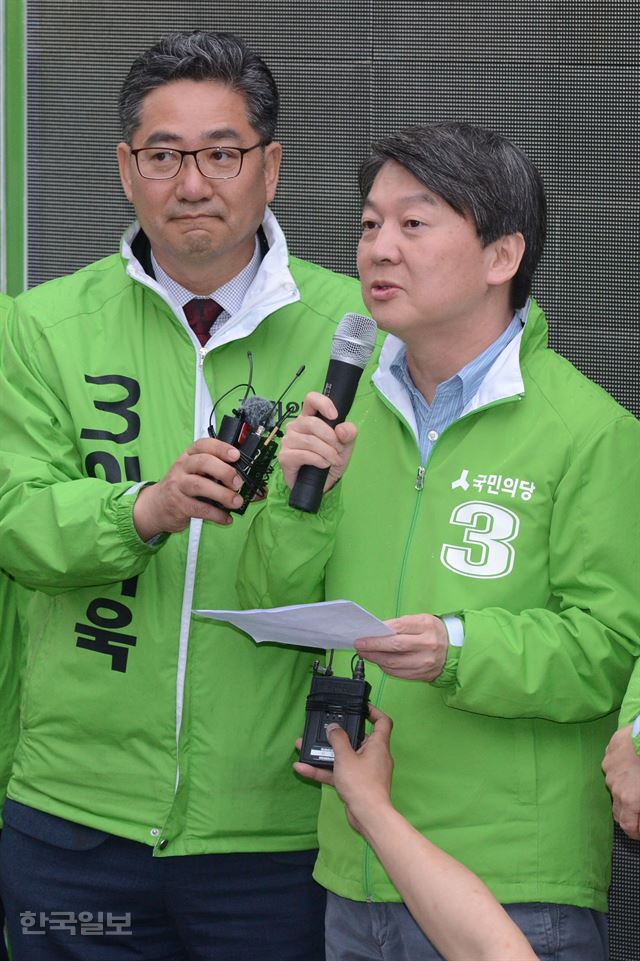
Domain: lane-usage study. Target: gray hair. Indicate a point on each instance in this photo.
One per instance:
(202, 55)
(479, 174)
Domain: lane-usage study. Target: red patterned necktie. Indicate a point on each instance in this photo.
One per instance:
(201, 313)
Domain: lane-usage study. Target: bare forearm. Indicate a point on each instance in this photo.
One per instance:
(449, 902)
(451, 905)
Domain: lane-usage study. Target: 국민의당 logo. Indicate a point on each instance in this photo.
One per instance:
(495, 484)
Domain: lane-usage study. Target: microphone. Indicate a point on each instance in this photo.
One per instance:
(351, 349)
(252, 430)
(247, 418)
(257, 411)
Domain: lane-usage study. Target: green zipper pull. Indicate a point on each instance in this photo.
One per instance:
(420, 478)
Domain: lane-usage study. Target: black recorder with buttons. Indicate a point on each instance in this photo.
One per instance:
(334, 700)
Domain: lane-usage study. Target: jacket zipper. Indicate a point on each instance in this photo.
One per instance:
(419, 486)
(189, 578)
(279, 297)
(195, 530)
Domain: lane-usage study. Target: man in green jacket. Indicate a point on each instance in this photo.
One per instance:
(152, 798)
(491, 515)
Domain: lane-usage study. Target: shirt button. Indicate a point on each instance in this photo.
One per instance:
(154, 832)
(162, 844)
(433, 435)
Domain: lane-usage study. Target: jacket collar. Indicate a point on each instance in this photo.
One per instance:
(503, 379)
(272, 288)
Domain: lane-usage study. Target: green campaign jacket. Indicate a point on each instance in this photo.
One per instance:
(138, 718)
(631, 705)
(526, 523)
(630, 709)
(12, 598)
(10, 649)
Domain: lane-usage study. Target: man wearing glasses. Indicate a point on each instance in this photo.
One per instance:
(152, 809)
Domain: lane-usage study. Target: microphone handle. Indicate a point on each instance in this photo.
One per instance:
(340, 385)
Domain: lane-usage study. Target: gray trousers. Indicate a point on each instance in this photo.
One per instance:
(358, 931)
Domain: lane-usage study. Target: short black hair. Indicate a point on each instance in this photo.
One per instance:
(202, 55)
(478, 173)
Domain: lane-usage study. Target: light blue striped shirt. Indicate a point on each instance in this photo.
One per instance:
(451, 395)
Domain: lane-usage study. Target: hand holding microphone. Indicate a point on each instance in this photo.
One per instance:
(310, 440)
(320, 454)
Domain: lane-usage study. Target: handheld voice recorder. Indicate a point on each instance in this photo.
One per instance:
(334, 700)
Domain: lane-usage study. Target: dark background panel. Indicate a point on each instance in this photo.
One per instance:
(561, 78)
(624, 905)
(325, 132)
(542, 31)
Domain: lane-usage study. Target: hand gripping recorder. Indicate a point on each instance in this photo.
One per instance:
(252, 429)
(334, 700)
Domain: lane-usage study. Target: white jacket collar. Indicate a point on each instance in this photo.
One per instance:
(503, 379)
(273, 287)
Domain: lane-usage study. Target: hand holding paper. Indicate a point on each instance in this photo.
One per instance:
(330, 624)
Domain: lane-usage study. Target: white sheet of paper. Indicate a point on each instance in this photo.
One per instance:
(330, 624)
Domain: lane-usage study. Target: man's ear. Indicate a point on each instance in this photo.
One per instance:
(124, 166)
(505, 256)
(272, 161)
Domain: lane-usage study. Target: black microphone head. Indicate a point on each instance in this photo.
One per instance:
(255, 410)
(354, 340)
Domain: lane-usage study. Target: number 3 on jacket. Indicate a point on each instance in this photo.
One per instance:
(489, 531)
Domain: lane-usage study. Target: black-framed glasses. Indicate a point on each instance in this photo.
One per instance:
(216, 163)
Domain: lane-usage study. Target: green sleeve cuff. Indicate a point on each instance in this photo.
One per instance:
(328, 513)
(126, 528)
(449, 672)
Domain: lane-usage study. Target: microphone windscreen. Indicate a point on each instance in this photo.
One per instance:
(354, 340)
(255, 410)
